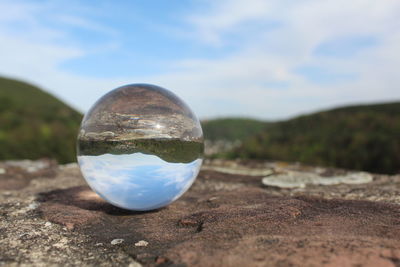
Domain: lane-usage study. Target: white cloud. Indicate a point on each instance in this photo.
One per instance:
(275, 53)
(224, 16)
(242, 81)
(80, 22)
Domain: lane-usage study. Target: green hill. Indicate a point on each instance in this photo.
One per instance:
(231, 129)
(365, 137)
(34, 124)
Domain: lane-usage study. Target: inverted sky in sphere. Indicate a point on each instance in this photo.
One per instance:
(138, 180)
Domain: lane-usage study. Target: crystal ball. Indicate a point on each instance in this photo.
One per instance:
(140, 147)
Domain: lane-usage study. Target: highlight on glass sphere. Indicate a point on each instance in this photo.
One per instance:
(140, 147)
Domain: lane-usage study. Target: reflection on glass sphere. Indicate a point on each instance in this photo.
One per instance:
(140, 147)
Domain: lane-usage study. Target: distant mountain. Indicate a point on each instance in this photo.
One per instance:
(364, 137)
(34, 124)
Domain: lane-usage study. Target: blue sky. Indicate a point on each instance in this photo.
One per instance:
(138, 181)
(268, 59)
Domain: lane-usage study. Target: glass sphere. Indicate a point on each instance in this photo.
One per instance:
(140, 147)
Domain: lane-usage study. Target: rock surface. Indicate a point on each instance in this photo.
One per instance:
(228, 218)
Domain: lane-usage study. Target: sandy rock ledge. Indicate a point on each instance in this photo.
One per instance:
(48, 216)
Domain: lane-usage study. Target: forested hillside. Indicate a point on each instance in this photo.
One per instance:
(364, 137)
(34, 124)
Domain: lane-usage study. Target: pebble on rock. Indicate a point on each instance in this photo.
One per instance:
(141, 243)
(33, 206)
(117, 241)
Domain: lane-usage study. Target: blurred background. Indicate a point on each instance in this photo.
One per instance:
(301, 81)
